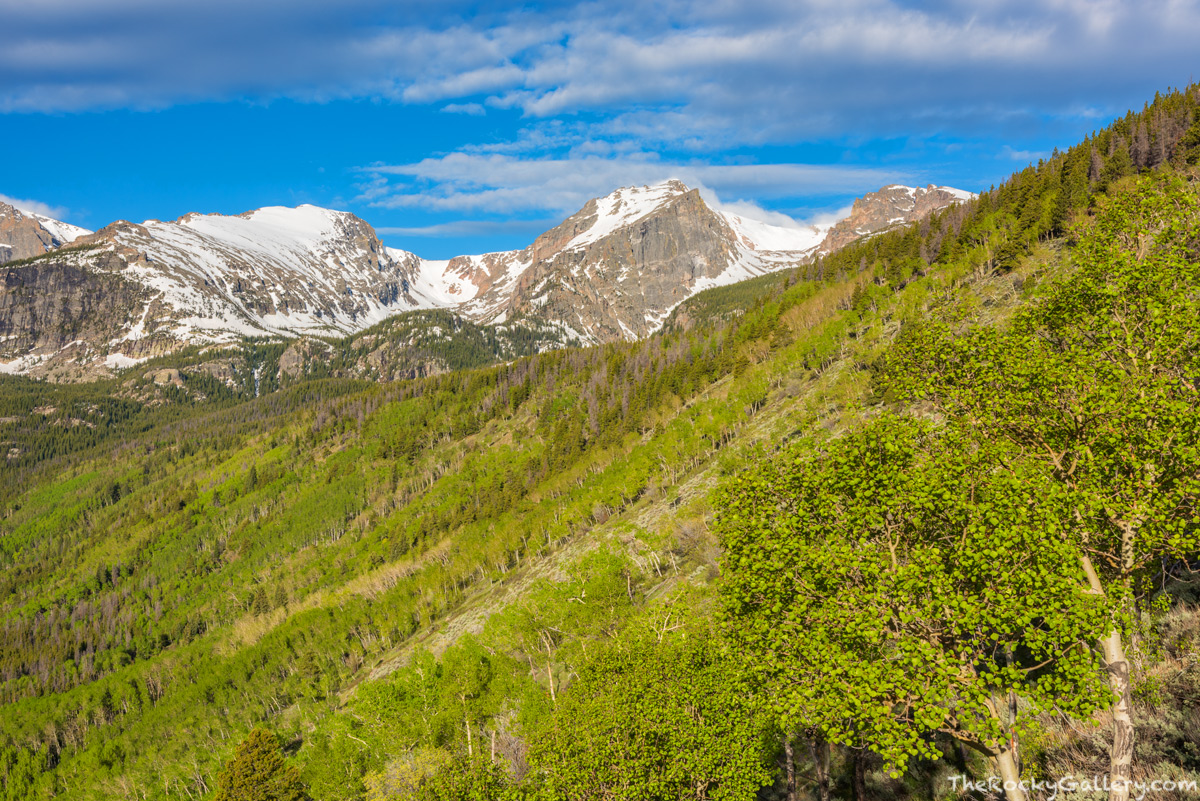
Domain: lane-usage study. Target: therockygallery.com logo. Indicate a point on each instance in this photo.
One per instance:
(1067, 785)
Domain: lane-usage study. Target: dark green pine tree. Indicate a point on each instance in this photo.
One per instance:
(1190, 144)
(258, 772)
(259, 603)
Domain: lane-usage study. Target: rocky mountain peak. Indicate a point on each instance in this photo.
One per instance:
(891, 206)
(615, 269)
(24, 234)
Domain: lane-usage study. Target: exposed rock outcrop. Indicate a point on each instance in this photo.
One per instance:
(24, 235)
(888, 208)
(55, 309)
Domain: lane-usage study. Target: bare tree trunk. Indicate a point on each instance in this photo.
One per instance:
(820, 755)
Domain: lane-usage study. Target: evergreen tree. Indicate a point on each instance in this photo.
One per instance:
(1190, 144)
(259, 603)
(258, 772)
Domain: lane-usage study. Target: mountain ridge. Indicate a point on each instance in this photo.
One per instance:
(613, 270)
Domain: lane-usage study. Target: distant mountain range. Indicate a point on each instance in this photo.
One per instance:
(77, 304)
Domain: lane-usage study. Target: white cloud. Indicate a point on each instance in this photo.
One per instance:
(693, 74)
(35, 207)
(831, 217)
(506, 184)
(471, 109)
(461, 228)
(1030, 156)
(751, 211)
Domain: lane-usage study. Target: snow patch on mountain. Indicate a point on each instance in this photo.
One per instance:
(961, 194)
(271, 231)
(765, 236)
(433, 286)
(64, 233)
(624, 207)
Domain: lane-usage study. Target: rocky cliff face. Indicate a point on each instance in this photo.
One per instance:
(890, 207)
(616, 268)
(58, 316)
(24, 235)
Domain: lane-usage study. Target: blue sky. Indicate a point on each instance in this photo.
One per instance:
(464, 127)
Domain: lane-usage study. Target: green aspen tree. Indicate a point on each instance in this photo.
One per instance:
(656, 714)
(1097, 384)
(877, 589)
(469, 687)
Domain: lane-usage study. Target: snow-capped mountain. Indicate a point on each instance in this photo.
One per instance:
(270, 272)
(616, 268)
(24, 234)
(132, 291)
(613, 270)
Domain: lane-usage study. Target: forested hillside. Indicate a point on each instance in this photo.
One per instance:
(924, 508)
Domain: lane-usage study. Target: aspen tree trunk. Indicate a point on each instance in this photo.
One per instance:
(1112, 649)
(1006, 765)
(1004, 760)
(1121, 759)
(1014, 741)
(820, 754)
(549, 672)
